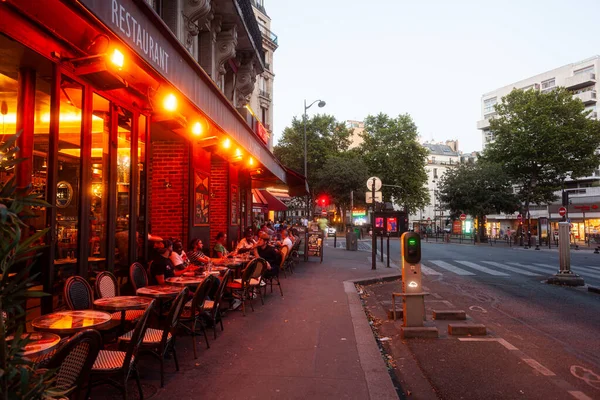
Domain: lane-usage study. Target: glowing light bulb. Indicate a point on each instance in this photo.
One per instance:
(412, 284)
(170, 102)
(117, 58)
(226, 143)
(197, 129)
(251, 161)
(238, 152)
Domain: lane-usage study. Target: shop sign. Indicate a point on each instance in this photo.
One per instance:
(263, 134)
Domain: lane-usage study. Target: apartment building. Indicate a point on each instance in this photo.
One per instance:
(357, 127)
(581, 79)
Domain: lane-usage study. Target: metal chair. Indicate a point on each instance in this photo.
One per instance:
(213, 307)
(78, 294)
(106, 286)
(73, 361)
(256, 279)
(269, 276)
(158, 341)
(138, 276)
(284, 252)
(115, 367)
(192, 312)
(241, 287)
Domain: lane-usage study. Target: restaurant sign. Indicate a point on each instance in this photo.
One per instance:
(262, 132)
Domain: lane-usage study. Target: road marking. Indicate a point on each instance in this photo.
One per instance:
(428, 271)
(451, 268)
(481, 268)
(538, 367)
(478, 308)
(579, 395)
(542, 270)
(577, 270)
(512, 269)
(498, 340)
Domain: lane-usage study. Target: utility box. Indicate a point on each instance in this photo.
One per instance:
(412, 290)
(351, 241)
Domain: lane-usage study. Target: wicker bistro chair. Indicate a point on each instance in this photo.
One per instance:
(284, 252)
(138, 276)
(295, 255)
(256, 279)
(191, 317)
(242, 286)
(158, 341)
(78, 294)
(74, 360)
(269, 277)
(115, 367)
(106, 286)
(213, 307)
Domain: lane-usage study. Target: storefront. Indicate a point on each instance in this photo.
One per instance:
(584, 219)
(125, 136)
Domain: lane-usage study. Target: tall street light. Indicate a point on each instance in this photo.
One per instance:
(321, 104)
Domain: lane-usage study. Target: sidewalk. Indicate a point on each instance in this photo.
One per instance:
(315, 342)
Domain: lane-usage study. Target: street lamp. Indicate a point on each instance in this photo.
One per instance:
(321, 104)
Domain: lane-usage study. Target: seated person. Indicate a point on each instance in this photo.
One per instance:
(195, 254)
(247, 243)
(269, 254)
(162, 267)
(178, 256)
(219, 249)
(285, 240)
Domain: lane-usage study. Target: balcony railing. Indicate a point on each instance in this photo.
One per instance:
(269, 35)
(265, 94)
(580, 80)
(483, 124)
(587, 97)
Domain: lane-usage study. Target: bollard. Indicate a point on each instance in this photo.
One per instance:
(388, 250)
(381, 247)
(335, 241)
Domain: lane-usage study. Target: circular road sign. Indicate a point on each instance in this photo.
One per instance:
(562, 211)
(377, 183)
(463, 217)
(428, 218)
(519, 217)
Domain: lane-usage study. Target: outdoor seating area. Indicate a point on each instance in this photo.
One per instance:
(101, 337)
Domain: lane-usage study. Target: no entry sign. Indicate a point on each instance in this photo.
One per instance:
(519, 217)
(463, 217)
(562, 211)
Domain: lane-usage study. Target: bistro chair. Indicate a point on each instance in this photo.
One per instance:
(74, 360)
(115, 367)
(213, 307)
(158, 341)
(284, 252)
(138, 276)
(191, 317)
(78, 294)
(256, 279)
(241, 287)
(106, 286)
(295, 255)
(269, 277)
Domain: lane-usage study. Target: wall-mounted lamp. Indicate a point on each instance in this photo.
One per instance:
(168, 184)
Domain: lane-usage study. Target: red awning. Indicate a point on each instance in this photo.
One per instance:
(296, 183)
(273, 202)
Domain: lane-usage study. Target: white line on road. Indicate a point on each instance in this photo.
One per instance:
(575, 269)
(451, 268)
(499, 340)
(481, 268)
(579, 395)
(428, 271)
(538, 367)
(538, 269)
(512, 269)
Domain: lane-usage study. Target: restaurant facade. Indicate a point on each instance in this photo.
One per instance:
(133, 124)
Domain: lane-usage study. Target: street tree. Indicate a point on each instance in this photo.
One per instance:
(478, 190)
(540, 139)
(392, 153)
(325, 137)
(340, 175)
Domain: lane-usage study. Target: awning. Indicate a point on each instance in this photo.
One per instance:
(274, 203)
(296, 183)
(259, 203)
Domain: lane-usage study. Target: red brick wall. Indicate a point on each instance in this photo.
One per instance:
(169, 207)
(219, 200)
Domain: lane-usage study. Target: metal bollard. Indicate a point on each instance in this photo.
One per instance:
(388, 250)
(335, 241)
(381, 247)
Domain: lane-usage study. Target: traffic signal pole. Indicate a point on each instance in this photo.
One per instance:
(373, 237)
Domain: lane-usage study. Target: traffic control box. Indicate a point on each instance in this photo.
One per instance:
(412, 290)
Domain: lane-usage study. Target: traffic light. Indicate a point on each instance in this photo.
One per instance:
(323, 201)
(411, 248)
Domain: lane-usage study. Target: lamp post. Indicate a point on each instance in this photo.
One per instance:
(321, 104)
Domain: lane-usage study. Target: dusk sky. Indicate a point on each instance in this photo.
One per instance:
(432, 59)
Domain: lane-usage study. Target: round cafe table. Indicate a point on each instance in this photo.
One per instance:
(122, 303)
(186, 280)
(70, 322)
(40, 343)
(159, 291)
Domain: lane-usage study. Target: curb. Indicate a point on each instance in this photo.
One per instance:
(594, 289)
(377, 376)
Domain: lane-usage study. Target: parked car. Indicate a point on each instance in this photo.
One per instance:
(331, 231)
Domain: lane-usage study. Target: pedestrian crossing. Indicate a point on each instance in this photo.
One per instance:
(500, 269)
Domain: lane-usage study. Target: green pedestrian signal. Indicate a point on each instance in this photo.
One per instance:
(411, 248)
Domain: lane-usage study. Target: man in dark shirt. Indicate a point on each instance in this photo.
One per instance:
(162, 267)
(272, 256)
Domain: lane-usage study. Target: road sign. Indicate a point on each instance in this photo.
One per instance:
(562, 211)
(377, 183)
(428, 218)
(378, 197)
(519, 217)
(463, 217)
(324, 213)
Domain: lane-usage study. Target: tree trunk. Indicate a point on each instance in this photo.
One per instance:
(343, 218)
(481, 231)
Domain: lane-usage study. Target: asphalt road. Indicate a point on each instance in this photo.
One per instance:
(543, 341)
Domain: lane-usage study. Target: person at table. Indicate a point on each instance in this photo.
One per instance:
(219, 249)
(268, 253)
(162, 267)
(195, 254)
(285, 240)
(247, 243)
(178, 256)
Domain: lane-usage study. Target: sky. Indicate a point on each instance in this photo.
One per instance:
(432, 59)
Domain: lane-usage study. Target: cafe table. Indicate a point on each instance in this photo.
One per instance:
(159, 291)
(40, 343)
(122, 303)
(189, 281)
(70, 322)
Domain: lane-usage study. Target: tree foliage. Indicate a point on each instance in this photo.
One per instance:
(542, 138)
(392, 153)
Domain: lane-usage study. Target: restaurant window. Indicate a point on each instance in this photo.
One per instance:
(123, 193)
(100, 164)
(141, 185)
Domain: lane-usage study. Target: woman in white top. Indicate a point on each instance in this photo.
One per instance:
(247, 243)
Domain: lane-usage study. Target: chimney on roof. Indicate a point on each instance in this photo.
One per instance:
(453, 144)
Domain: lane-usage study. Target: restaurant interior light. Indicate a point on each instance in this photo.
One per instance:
(117, 58)
(170, 102)
(238, 152)
(251, 161)
(197, 129)
(226, 143)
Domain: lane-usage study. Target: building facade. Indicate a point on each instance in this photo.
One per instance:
(134, 125)
(581, 79)
(357, 128)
